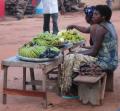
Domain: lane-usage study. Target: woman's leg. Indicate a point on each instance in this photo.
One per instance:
(71, 62)
(66, 77)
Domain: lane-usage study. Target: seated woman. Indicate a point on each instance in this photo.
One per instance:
(90, 29)
(103, 54)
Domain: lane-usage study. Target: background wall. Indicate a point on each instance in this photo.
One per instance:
(2, 6)
(116, 3)
(94, 2)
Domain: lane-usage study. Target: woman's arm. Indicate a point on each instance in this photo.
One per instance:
(99, 37)
(79, 28)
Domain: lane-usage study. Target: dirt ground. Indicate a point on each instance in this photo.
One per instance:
(15, 33)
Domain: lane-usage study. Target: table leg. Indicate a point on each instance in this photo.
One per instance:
(24, 78)
(58, 80)
(5, 84)
(32, 77)
(44, 86)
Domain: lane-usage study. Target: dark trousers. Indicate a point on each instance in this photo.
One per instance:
(46, 25)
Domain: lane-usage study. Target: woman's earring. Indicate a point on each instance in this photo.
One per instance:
(103, 18)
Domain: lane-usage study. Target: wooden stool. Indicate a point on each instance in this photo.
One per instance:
(91, 89)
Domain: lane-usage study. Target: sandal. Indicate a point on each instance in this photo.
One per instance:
(70, 97)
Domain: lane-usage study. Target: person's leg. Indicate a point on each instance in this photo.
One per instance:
(20, 8)
(46, 24)
(71, 64)
(109, 3)
(55, 24)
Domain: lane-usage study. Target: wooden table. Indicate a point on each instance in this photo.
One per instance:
(46, 68)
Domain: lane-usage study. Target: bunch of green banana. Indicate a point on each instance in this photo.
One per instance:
(40, 42)
(46, 36)
(71, 35)
(55, 49)
(39, 45)
(47, 39)
(31, 52)
(56, 41)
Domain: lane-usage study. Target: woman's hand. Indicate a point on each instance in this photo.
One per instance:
(70, 27)
(62, 10)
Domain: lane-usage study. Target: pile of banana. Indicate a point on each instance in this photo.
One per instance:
(47, 39)
(45, 45)
(72, 36)
(32, 50)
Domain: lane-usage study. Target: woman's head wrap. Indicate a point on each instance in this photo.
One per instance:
(89, 11)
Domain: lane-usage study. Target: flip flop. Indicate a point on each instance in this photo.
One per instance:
(70, 97)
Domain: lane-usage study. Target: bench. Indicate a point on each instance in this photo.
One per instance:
(91, 89)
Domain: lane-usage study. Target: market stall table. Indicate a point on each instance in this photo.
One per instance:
(46, 68)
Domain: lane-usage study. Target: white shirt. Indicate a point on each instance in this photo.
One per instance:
(108, 0)
(50, 6)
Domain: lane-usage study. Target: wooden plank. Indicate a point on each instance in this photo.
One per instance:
(32, 78)
(89, 93)
(54, 72)
(35, 82)
(15, 62)
(53, 65)
(88, 79)
(24, 78)
(24, 92)
(44, 85)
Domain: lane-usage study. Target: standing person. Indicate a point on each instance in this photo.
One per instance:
(102, 56)
(109, 3)
(20, 8)
(50, 8)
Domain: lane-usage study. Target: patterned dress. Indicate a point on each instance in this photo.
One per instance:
(108, 54)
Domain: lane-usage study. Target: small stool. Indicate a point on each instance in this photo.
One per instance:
(91, 89)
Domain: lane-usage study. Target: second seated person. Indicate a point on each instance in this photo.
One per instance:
(50, 8)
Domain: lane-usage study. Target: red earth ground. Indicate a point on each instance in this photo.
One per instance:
(15, 33)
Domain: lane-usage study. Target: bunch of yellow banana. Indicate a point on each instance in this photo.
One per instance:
(71, 35)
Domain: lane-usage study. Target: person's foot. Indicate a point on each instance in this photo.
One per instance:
(19, 17)
(70, 95)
